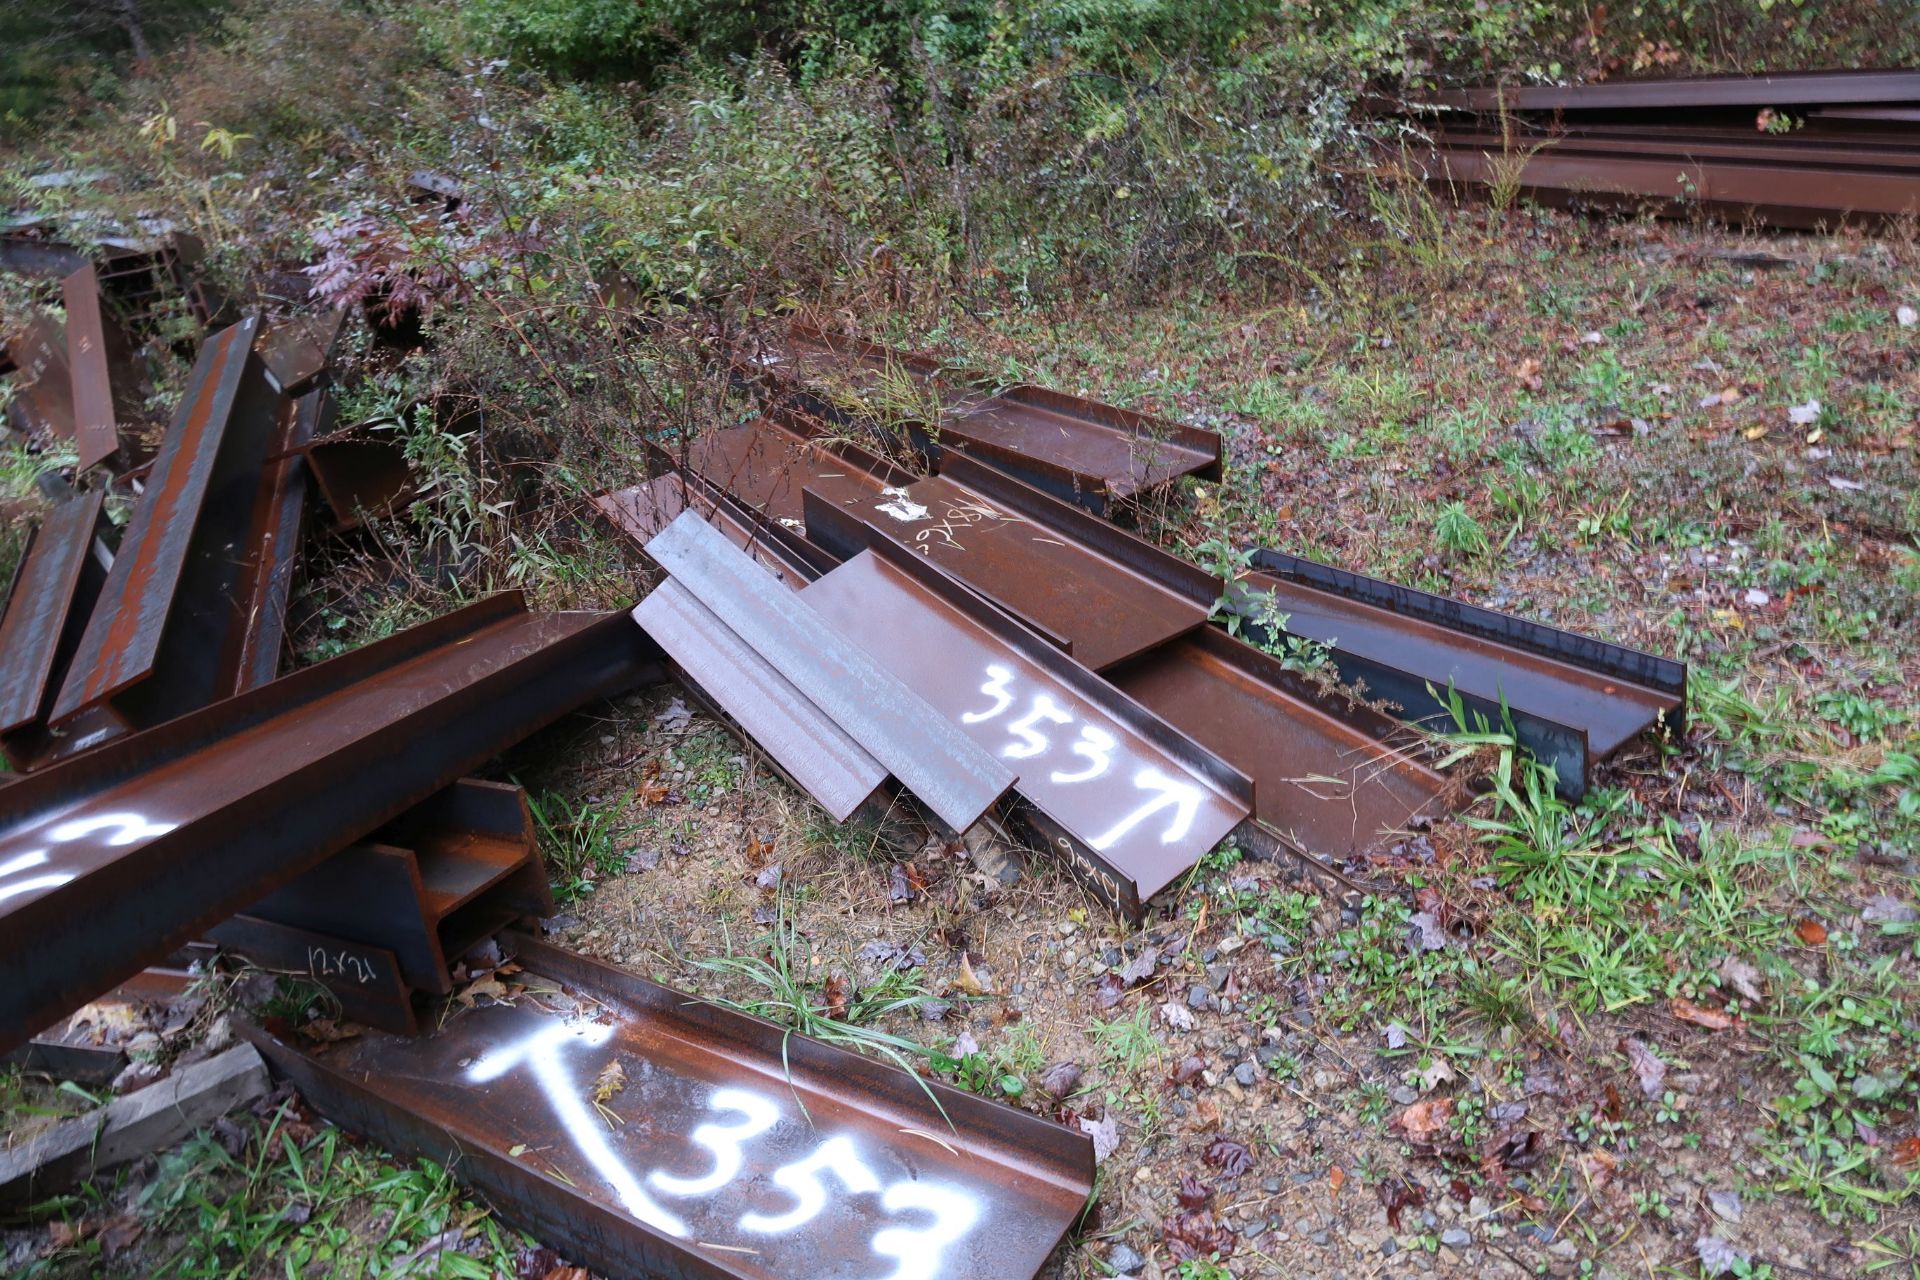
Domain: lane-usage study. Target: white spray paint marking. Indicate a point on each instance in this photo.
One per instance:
(724, 1141)
(1032, 742)
(541, 1052)
(1096, 747)
(1171, 791)
(801, 1180)
(921, 1252)
(27, 862)
(998, 678)
(127, 828)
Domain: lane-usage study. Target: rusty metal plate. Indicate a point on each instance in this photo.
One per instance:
(1781, 89)
(1105, 595)
(933, 759)
(1326, 776)
(42, 382)
(821, 757)
(643, 511)
(766, 466)
(297, 349)
(154, 837)
(730, 1149)
(1142, 801)
(1572, 699)
(1077, 449)
(279, 520)
(360, 478)
(173, 622)
(99, 360)
(60, 578)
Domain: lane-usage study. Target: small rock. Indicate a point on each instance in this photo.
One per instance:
(1125, 1260)
(1726, 1204)
(1247, 1074)
(1404, 1095)
(1198, 996)
(1456, 1237)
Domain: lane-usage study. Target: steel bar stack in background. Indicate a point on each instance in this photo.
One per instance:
(1797, 151)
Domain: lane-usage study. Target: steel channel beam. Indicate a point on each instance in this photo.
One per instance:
(279, 521)
(1572, 699)
(1327, 778)
(941, 766)
(171, 630)
(1141, 801)
(1777, 195)
(736, 1150)
(359, 479)
(31, 256)
(643, 511)
(99, 361)
(766, 464)
(1799, 152)
(60, 578)
(297, 350)
(1790, 89)
(1106, 594)
(1079, 450)
(153, 838)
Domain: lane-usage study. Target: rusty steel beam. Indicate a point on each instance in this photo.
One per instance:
(723, 1146)
(100, 363)
(42, 382)
(170, 633)
(1137, 801)
(1329, 780)
(359, 478)
(298, 349)
(1781, 89)
(946, 770)
(265, 585)
(1105, 594)
(380, 923)
(153, 838)
(60, 578)
(640, 513)
(1571, 699)
(1777, 195)
(766, 464)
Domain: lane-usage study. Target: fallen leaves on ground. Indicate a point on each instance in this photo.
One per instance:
(1230, 1156)
(1647, 1065)
(611, 1080)
(1742, 977)
(1398, 1195)
(1426, 1121)
(1712, 1019)
(1060, 1079)
(1176, 1015)
(834, 994)
(1811, 932)
(1105, 1133)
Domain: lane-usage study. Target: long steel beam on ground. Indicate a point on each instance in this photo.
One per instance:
(111, 859)
(99, 360)
(933, 759)
(53, 594)
(171, 631)
(1137, 801)
(1571, 699)
(1781, 89)
(721, 1146)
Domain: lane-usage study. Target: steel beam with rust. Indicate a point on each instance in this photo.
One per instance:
(172, 628)
(100, 361)
(53, 595)
(723, 1146)
(151, 839)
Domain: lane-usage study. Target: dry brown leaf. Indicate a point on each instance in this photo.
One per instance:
(1811, 932)
(611, 1080)
(1426, 1121)
(1336, 1179)
(967, 981)
(1712, 1019)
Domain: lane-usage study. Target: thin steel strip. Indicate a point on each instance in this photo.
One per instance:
(96, 428)
(935, 761)
(45, 605)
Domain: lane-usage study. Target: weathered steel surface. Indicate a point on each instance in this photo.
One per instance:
(59, 580)
(1778, 195)
(1325, 775)
(91, 1050)
(42, 382)
(766, 466)
(297, 349)
(734, 1149)
(934, 760)
(1141, 801)
(1077, 449)
(363, 979)
(1803, 88)
(821, 757)
(99, 361)
(1104, 594)
(30, 255)
(360, 478)
(273, 542)
(172, 623)
(1572, 699)
(153, 838)
(643, 511)
(449, 872)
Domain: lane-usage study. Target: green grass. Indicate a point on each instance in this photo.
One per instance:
(582, 842)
